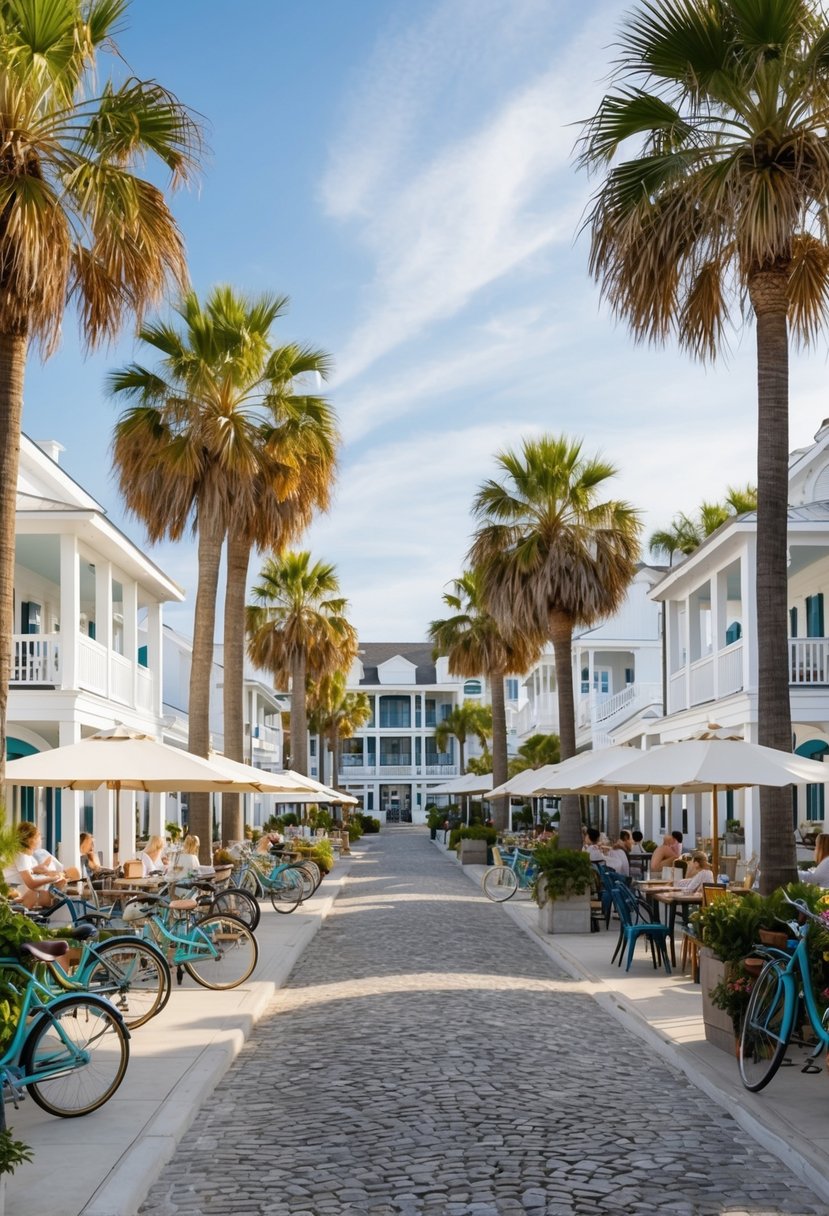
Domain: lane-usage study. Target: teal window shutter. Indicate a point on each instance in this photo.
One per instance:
(142, 656)
(814, 615)
(733, 633)
(793, 622)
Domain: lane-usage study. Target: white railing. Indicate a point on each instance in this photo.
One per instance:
(358, 770)
(92, 665)
(676, 692)
(537, 715)
(623, 705)
(265, 736)
(702, 680)
(730, 669)
(809, 660)
(440, 770)
(35, 658)
(396, 770)
(121, 671)
(144, 689)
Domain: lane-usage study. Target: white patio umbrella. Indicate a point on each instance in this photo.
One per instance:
(584, 773)
(469, 783)
(527, 783)
(710, 764)
(288, 785)
(119, 759)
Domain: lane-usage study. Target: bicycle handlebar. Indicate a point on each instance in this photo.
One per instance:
(804, 910)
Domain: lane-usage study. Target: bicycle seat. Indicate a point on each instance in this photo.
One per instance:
(45, 952)
(183, 905)
(82, 933)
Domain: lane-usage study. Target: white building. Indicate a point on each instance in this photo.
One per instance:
(711, 646)
(617, 672)
(87, 652)
(262, 708)
(392, 763)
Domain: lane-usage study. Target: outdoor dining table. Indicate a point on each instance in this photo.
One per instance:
(672, 898)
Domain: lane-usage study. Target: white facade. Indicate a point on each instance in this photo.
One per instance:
(392, 763)
(711, 646)
(617, 672)
(87, 651)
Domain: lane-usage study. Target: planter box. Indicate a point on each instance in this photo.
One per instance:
(565, 915)
(719, 1029)
(472, 852)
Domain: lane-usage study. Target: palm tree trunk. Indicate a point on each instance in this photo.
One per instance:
(299, 717)
(13, 348)
(561, 635)
(613, 819)
(238, 559)
(336, 747)
(500, 806)
(768, 290)
(200, 815)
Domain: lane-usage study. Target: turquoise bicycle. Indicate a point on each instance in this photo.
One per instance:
(70, 1053)
(217, 951)
(775, 1009)
(286, 881)
(515, 873)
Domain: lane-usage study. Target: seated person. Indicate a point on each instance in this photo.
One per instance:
(820, 874)
(636, 848)
(186, 863)
(697, 872)
(617, 856)
(151, 857)
(592, 847)
(89, 856)
(31, 879)
(664, 854)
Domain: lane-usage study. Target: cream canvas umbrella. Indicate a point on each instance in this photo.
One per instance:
(287, 786)
(711, 763)
(584, 773)
(528, 783)
(469, 783)
(119, 759)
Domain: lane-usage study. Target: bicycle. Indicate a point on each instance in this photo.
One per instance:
(214, 900)
(284, 882)
(774, 1007)
(516, 873)
(69, 1052)
(218, 952)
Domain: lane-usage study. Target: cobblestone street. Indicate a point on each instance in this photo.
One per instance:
(427, 1059)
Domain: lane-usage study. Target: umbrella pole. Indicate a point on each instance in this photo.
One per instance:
(715, 832)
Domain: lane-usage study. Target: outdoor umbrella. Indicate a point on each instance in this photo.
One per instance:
(469, 783)
(527, 783)
(119, 759)
(288, 785)
(710, 764)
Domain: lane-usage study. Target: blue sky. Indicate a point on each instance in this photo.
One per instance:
(404, 173)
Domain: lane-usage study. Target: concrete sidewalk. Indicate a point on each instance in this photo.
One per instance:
(104, 1163)
(788, 1117)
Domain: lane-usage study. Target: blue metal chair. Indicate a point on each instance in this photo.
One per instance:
(633, 924)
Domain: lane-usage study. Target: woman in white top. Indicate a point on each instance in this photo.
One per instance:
(186, 864)
(151, 858)
(31, 879)
(820, 874)
(697, 874)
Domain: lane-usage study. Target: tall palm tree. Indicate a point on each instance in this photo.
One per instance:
(681, 536)
(685, 534)
(469, 720)
(78, 222)
(297, 630)
(535, 752)
(213, 441)
(336, 714)
(554, 555)
(722, 200)
(475, 644)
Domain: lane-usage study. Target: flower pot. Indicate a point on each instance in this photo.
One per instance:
(719, 1029)
(472, 852)
(570, 915)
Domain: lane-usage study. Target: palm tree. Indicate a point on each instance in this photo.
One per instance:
(553, 555)
(336, 715)
(298, 631)
(724, 201)
(475, 644)
(464, 721)
(685, 534)
(78, 223)
(681, 536)
(535, 752)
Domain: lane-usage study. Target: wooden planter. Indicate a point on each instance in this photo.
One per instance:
(719, 1029)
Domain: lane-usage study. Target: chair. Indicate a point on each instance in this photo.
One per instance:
(712, 891)
(633, 925)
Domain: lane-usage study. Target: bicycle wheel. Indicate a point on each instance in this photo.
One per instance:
(135, 976)
(249, 882)
(285, 890)
(313, 869)
(306, 878)
(237, 902)
(236, 953)
(81, 1046)
(499, 883)
(767, 1027)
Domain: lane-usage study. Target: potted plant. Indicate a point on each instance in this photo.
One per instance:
(728, 929)
(734, 832)
(173, 830)
(475, 843)
(562, 889)
(435, 818)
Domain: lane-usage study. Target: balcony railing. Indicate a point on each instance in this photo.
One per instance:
(35, 658)
(351, 771)
(808, 661)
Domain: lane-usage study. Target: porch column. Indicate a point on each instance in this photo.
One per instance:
(126, 825)
(71, 801)
(156, 821)
(103, 619)
(748, 578)
(70, 614)
(155, 660)
(685, 644)
(719, 623)
(131, 634)
(104, 824)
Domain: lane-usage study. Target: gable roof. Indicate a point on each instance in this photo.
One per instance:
(373, 654)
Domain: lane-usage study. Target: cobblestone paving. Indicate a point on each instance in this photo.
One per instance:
(427, 1059)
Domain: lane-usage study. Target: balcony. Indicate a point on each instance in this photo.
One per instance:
(37, 663)
(36, 659)
(538, 716)
(808, 661)
(350, 772)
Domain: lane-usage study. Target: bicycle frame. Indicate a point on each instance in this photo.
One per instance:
(195, 945)
(795, 978)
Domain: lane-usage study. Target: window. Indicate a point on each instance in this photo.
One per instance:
(29, 617)
(312, 746)
(585, 680)
(511, 689)
(472, 688)
(418, 710)
(396, 711)
(629, 673)
(445, 711)
(431, 719)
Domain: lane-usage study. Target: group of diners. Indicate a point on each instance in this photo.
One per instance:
(618, 855)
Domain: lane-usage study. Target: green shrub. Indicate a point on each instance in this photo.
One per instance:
(355, 828)
(368, 823)
(566, 872)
